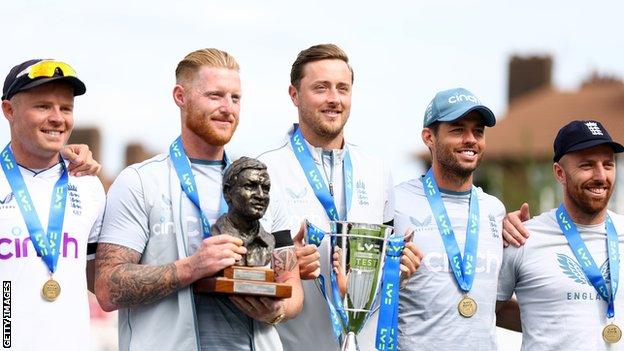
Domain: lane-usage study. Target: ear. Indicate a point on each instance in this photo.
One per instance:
(226, 194)
(559, 173)
(178, 95)
(428, 137)
(294, 95)
(7, 109)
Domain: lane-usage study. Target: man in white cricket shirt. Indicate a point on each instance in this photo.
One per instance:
(450, 301)
(321, 85)
(49, 218)
(156, 241)
(565, 277)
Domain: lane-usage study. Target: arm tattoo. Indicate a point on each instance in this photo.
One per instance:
(284, 260)
(130, 283)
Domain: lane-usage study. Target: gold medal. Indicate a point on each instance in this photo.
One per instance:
(51, 290)
(611, 333)
(467, 307)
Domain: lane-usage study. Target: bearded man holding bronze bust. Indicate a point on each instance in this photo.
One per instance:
(157, 240)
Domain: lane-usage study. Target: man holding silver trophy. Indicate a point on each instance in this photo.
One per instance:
(328, 181)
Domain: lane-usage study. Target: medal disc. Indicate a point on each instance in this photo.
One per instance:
(611, 333)
(51, 290)
(467, 307)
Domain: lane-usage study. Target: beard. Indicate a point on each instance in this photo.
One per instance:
(320, 126)
(449, 164)
(201, 124)
(587, 205)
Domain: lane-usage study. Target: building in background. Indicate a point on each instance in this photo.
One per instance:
(518, 159)
(520, 148)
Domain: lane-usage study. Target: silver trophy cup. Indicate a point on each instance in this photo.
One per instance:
(358, 252)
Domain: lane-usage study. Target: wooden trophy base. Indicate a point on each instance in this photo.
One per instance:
(241, 280)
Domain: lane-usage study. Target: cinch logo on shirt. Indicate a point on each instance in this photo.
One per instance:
(14, 247)
(439, 262)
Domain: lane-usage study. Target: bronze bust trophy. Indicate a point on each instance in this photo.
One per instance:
(246, 186)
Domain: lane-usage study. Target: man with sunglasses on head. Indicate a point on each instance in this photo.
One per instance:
(49, 218)
(156, 239)
(351, 185)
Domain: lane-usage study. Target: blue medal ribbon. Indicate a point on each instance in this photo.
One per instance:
(46, 243)
(315, 179)
(187, 181)
(315, 235)
(463, 269)
(585, 259)
(387, 324)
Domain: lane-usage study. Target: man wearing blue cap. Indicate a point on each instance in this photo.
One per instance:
(49, 219)
(451, 299)
(566, 277)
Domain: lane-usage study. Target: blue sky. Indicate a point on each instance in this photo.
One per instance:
(402, 53)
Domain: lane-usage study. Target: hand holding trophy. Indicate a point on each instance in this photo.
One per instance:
(364, 275)
(246, 187)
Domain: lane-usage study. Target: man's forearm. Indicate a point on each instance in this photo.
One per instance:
(287, 271)
(122, 282)
(135, 284)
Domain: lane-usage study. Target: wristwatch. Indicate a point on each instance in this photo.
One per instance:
(280, 317)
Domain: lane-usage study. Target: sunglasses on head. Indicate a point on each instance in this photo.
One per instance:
(42, 69)
(47, 69)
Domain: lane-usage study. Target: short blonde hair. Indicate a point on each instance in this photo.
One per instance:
(313, 54)
(210, 57)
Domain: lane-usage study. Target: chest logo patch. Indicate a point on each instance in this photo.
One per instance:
(493, 226)
(296, 195)
(574, 271)
(362, 195)
(74, 199)
(423, 225)
(7, 199)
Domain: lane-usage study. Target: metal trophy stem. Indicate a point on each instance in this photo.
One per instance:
(350, 343)
(358, 252)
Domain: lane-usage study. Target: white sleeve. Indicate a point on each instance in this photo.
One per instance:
(100, 202)
(389, 196)
(94, 233)
(126, 220)
(508, 276)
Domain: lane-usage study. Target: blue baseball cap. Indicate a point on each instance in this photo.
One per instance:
(453, 104)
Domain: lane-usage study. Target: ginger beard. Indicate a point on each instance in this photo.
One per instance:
(213, 127)
(577, 193)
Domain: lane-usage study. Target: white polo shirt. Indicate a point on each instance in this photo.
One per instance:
(560, 308)
(37, 324)
(372, 202)
(428, 316)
